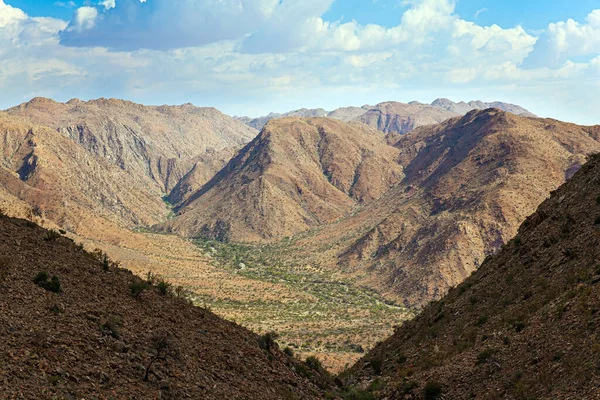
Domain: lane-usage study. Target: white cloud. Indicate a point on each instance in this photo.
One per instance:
(566, 39)
(267, 53)
(10, 15)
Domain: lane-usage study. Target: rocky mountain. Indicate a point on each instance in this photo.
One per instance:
(400, 118)
(81, 164)
(260, 122)
(463, 108)
(525, 325)
(469, 183)
(297, 174)
(145, 141)
(74, 326)
(394, 117)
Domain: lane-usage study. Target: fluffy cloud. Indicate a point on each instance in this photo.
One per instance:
(272, 55)
(563, 40)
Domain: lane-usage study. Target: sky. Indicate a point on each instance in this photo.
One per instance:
(252, 57)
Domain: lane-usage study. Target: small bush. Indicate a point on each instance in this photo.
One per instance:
(137, 288)
(597, 221)
(482, 320)
(432, 391)
(485, 355)
(111, 326)
(163, 287)
(52, 235)
(519, 326)
(268, 340)
(314, 363)
(288, 352)
(52, 284)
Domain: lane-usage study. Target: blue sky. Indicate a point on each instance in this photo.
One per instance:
(255, 56)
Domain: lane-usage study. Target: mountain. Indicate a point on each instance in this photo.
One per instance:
(469, 183)
(393, 117)
(81, 164)
(524, 325)
(259, 123)
(298, 173)
(146, 141)
(73, 327)
(463, 108)
(400, 118)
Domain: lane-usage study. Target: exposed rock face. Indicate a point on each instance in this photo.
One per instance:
(93, 339)
(297, 174)
(157, 142)
(259, 123)
(78, 163)
(393, 117)
(527, 313)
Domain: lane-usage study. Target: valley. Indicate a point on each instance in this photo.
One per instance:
(330, 234)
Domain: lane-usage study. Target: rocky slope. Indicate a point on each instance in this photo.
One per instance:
(469, 183)
(90, 337)
(296, 174)
(145, 141)
(110, 160)
(525, 325)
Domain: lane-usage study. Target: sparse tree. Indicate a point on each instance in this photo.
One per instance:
(163, 349)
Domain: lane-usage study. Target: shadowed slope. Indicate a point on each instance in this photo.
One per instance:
(525, 325)
(94, 339)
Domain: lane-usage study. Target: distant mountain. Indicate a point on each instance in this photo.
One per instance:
(393, 116)
(77, 328)
(523, 326)
(297, 174)
(400, 118)
(463, 108)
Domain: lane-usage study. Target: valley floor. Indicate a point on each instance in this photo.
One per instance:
(313, 311)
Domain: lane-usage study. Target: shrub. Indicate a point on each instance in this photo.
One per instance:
(268, 340)
(111, 326)
(485, 355)
(105, 262)
(52, 235)
(597, 221)
(432, 391)
(163, 287)
(288, 352)
(52, 284)
(314, 363)
(137, 287)
(482, 320)
(163, 348)
(519, 326)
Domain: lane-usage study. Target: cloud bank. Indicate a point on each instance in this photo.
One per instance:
(253, 56)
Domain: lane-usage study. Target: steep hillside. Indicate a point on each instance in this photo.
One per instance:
(469, 183)
(92, 331)
(296, 174)
(145, 141)
(525, 325)
(67, 184)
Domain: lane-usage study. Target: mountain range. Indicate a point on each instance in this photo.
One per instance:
(393, 116)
